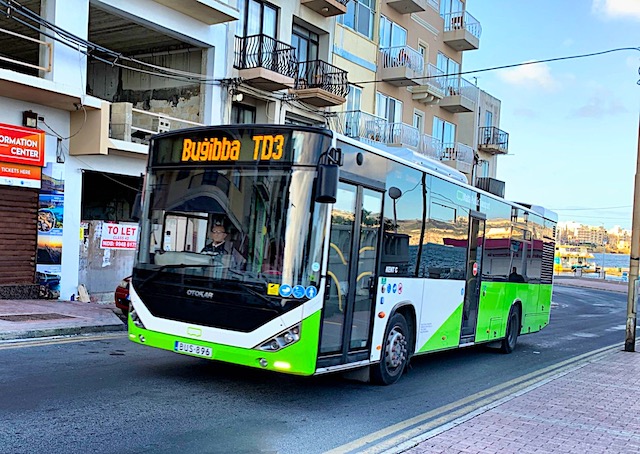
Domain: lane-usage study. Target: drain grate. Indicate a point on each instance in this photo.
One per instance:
(32, 317)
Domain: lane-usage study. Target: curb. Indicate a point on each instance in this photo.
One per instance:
(56, 332)
(623, 288)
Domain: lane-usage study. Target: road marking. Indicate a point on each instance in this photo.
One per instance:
(410, 432)
(22, 343)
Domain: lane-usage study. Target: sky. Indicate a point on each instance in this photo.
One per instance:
(572, 124)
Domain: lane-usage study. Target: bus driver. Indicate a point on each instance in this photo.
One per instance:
(221, 248)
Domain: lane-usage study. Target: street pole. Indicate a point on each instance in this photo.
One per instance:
(634, 259)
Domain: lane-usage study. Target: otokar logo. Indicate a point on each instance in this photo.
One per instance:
(200, 294)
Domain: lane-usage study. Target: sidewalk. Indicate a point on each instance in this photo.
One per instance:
(592, 408)
(27, 319)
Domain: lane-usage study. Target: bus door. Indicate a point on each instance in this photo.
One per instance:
(474, 274)
(353, 254)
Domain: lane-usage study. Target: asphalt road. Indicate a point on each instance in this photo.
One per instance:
(109, 395)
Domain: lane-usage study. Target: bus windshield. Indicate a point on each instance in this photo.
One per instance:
(255, 225)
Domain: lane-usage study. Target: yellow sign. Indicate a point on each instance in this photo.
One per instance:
(273, 289)
(211, 150)
(266, 148)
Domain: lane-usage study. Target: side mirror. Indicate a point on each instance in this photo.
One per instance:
(327, 183)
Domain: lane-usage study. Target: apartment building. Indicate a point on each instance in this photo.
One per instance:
(403, 58)
(87, 82)
(282, 71)
(83, 84)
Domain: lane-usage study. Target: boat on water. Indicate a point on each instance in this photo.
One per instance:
(574, 258)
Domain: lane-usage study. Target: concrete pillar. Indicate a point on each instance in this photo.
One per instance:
(121, 120)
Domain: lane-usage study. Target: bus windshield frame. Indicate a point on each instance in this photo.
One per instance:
(264, 209)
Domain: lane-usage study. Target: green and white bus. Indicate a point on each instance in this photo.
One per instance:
(345, 256)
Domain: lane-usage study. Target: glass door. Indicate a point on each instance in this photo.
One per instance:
(353, 254)
(474, 274)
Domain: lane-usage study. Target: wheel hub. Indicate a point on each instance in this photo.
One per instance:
(396, 351)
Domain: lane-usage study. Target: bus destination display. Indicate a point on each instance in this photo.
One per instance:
(263, 147)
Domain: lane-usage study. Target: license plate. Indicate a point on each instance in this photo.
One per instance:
(190, 349)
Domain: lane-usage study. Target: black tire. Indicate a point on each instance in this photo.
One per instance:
(513, 331)
(395, 352)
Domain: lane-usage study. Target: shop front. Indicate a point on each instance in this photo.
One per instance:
(21, 163)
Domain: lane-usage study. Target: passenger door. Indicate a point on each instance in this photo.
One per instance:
(353, 255)
(473, 277)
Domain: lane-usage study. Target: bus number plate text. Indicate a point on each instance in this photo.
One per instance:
(190, 349)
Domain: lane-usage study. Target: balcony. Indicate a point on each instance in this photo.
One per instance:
(327, 8)
(458, 156)
(432, 91)
(491, 185)
(359, 125)
(320, 84)
(209, 12)
(119, 126)
(136, 125)
(401, 135)
(430, 147)
(408, 6)
(264, 62)
(493, 140)
(401, 66)
(461, 31)
(460, 95)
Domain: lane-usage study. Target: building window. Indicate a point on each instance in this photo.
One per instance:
(353, 98)
(488, 118)
(483, 168)
(450, 6)
(418, 120)
(305, 42)
(445, 132)
(242, 114)
(391, 34)
(360, 16)
(389, 108)
(447, 65)
(257, 18)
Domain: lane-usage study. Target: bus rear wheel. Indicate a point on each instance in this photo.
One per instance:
(394, 352)
(513, 330)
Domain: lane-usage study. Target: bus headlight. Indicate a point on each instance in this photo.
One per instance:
(282, 340)
(135, 319)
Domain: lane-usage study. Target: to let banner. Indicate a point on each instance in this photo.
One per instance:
(119, 236)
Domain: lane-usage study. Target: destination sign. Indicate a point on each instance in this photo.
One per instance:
(239, 145)
(265, 148)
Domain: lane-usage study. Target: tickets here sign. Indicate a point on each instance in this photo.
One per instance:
(119, 236)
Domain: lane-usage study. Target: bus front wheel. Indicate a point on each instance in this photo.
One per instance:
(513, 330)
(395, 353)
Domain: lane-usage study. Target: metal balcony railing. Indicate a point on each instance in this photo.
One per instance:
(462, 20)
(399, 56)
(435, 78)
(490, 135)
(320, 74)
(401, 134)
(262, 51)
(431, 147)
(359, 124)
(457, 86)
(457, 152)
